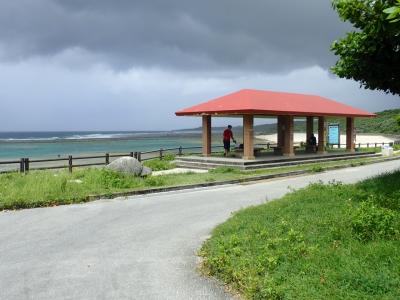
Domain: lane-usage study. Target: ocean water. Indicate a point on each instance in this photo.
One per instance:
(14, 145)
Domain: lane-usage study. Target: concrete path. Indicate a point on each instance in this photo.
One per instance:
(133, 248)
(178, 171)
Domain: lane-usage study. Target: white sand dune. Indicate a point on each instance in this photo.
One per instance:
(301, 137)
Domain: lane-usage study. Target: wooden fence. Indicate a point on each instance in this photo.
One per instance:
(23, 165)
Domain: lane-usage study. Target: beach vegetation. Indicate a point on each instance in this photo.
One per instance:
(326, 241)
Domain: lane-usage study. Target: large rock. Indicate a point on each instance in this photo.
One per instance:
(129, 165)
(146, 171)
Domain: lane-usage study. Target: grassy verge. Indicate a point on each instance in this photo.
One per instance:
(323, 242)
(161, 164)
(46, 188)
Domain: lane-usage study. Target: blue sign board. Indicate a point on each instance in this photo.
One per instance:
(333, 134)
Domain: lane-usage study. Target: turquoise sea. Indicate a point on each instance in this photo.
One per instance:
(15, 145)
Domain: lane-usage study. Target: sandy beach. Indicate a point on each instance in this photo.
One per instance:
(301, 137)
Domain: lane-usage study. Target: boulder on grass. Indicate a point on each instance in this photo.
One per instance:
(129, 165)
(146, 171)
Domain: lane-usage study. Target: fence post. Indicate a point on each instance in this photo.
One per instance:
(367, 145)
(375, 145)
(161, 153)
(22, 165)
(135, 155)
(139, 156)
(131, 154)
(359, 145)
(70, 163)
(107, 158)
(26, 165)
(268, 145)
(180, 151)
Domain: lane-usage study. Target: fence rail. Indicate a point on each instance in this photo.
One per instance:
(25, 164)
(70, 162)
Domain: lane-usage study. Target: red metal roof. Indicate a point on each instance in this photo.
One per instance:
(269, 103)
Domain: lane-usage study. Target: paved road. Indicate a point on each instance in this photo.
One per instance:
(133, 248)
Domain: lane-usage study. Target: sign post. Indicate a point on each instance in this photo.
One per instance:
(334, 134)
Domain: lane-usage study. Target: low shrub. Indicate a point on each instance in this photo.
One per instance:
(154, 181)
(370, 222)
(317, 169)
(169, 157)
(112, 179)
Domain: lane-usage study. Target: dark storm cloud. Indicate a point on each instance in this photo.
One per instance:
(261, 35)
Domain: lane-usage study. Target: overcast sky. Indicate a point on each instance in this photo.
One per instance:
(129, 64)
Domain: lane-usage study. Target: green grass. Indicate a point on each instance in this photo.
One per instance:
(47, 188)
(323, 242)
(161, 164)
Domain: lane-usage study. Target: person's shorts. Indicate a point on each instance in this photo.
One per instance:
(227, 145)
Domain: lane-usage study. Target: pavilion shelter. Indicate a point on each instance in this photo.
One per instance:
(249, 104)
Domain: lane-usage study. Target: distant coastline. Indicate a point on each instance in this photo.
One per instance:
(14, 145)
(57, 136)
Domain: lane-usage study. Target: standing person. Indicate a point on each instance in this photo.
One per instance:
(311, 144)
(227, 136)
(313, 140)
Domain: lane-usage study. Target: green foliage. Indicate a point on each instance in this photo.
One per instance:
(161, 164)
(393, 12)
(46, 188)
(331, 241)
(386, 122)
(317, 169)
(384, 189)
(370, 55)
(397, 118)
(169, 157)
(112, 179)
(154, 181)
(371, 222)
